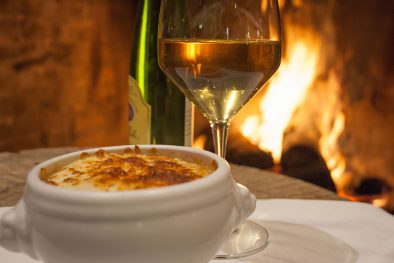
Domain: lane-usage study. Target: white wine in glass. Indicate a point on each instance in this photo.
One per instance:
(220, 53)
(219, 76)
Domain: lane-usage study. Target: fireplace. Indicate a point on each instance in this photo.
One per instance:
(327, 115)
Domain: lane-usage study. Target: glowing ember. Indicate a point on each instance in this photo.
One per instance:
(286, 90)
(381, 201)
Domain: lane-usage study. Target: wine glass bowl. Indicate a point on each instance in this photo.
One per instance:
(219, 76)
(220, 53)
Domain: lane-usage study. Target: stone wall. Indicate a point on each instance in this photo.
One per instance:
(63, 72)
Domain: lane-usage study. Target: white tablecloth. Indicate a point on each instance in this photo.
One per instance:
(317, 231)
(303, 231)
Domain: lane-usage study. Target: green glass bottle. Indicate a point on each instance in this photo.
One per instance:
(158, 111)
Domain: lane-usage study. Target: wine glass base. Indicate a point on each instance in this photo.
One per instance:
(247, 240)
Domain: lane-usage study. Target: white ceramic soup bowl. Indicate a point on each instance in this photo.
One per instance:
(182, 223)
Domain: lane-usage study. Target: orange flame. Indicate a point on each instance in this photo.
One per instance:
(329, 149)
(286, 90)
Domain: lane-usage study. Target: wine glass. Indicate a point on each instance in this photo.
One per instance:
(220, 53)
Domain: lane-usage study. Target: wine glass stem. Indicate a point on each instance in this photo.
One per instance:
(220, 134)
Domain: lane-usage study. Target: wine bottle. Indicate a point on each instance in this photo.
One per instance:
(158, 111)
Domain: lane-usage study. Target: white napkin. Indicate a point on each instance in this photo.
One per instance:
(315, 231)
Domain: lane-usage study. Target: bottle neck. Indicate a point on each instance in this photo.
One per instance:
(144, 48)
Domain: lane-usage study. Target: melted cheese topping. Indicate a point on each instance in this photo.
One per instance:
(104, 171)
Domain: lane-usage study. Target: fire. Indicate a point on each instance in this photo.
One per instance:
(286, 90)
(298, 96)
(297, 86)
(329, 148)
(302, 105)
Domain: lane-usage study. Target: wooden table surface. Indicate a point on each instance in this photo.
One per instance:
(15, 166)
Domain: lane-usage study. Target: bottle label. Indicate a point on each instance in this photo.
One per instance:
(139, 115)
(189, 121)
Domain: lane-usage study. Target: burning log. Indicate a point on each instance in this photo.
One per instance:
(307, 164)
(371, 186)
(372, 190)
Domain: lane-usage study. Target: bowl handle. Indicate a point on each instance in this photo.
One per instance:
(15, 234)
(245, 203)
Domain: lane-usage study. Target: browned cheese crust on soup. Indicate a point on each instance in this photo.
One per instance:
(105, 171)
